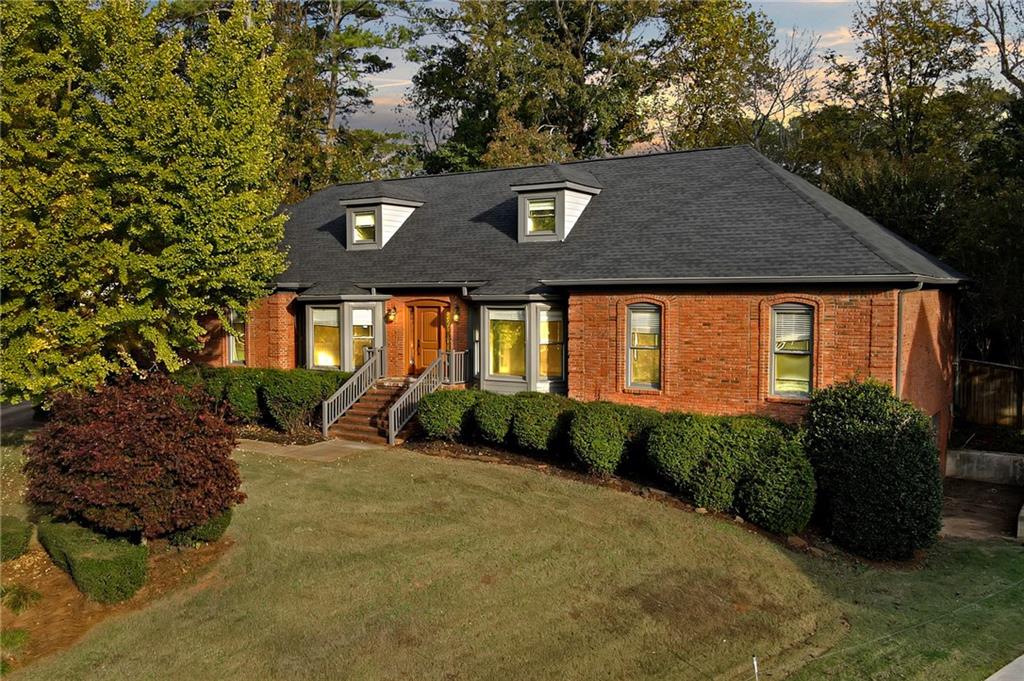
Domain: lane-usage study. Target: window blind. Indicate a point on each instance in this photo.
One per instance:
(645, 321)
(362, 317)
(325, 317)
(792, 325)
(508, 315)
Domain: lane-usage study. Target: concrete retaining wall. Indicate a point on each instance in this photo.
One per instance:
(1002, 468)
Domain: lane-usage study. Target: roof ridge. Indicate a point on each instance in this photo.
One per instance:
(781, 174)
(618, 157)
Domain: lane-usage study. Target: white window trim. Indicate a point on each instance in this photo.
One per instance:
(524, 213)
(486, 354)
(791, 307)
(350, 228)
(345, 335)
(234, 319)
(644, 307)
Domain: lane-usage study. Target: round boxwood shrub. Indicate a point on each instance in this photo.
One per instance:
(597, 436)
(540, 421)
(138, 456)
(447, 414)
(492, 415)
(639, 422)
(877, 469)
(778, 491)
(677, 444)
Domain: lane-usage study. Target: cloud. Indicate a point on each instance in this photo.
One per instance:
(837, 37)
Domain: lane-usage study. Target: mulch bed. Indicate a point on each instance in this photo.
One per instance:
(64, 614)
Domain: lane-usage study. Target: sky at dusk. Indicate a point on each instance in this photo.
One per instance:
(828, 18)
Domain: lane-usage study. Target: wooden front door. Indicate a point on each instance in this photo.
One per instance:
(427, 335)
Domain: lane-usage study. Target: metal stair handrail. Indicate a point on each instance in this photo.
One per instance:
(374, 368)
(405, 407)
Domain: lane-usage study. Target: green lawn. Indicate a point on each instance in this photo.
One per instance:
(395, 565)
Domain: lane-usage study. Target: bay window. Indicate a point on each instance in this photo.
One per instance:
(551, 345)
(507, 340)
(362, 334)
(792, 343)
(326, 332)
(643, 360)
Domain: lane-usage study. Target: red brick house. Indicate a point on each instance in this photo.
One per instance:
(710, 281)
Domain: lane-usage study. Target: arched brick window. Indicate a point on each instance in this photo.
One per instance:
(792, 363)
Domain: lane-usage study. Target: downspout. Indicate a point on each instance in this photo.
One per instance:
(899, 335)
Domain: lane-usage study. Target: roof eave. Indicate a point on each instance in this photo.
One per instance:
(826, 279)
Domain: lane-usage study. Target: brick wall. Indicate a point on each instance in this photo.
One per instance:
(399, 332)
(270, 337)
(715, 347)
(928, 351)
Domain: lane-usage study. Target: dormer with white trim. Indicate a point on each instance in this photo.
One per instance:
(375, 213)
(551, 200)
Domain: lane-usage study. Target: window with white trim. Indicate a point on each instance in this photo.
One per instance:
(643, 360)
(362, 334)
(236, 341)
(326, 345)
(364, 226)
(507, 340)
(551, 345)
(540, 216)
(792, 348)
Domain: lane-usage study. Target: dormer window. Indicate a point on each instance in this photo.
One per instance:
(551, 200)
(364, 227)
(375, 211)
(540, 218)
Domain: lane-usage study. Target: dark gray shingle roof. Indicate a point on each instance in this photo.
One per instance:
(715, 215)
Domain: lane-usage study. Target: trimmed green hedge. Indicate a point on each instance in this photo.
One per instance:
(597, 436)
(14, 537)
(447, 414)
(747, 463)
(540, 421)
(778, 491)
(877, 469)
(286, 399)
(677, 445)
(105, 570)
(210, 531)
(493, 417)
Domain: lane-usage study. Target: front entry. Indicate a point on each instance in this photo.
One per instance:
(427, 335)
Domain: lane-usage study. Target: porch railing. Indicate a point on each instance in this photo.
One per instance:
(374, 368)
(449, 367)
(455, 369)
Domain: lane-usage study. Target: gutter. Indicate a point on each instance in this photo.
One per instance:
(899, 335)
(840, 279)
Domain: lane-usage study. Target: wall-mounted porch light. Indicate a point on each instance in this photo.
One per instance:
(390, 314)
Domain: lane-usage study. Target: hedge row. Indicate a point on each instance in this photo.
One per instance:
(284, 398)
(210, 531)
(14, 536)
(752, 465)
(106, 570)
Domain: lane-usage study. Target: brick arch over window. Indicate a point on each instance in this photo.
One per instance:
(668, 312)
(819, 358)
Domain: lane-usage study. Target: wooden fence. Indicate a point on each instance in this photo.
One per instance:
(990, 394)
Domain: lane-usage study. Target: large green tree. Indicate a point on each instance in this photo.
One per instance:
(138, 186)
(590, 75)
